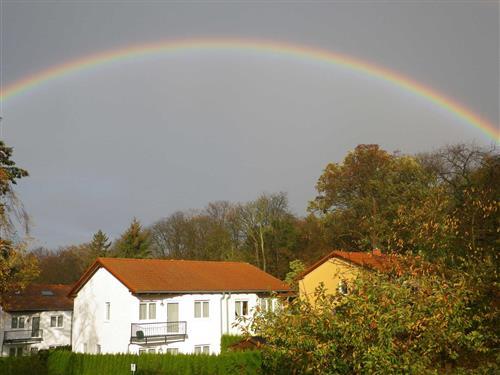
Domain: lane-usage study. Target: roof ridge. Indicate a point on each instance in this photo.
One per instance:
(174, 260)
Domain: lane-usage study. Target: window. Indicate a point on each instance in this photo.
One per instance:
(202, 349)
(34, 350)
(266, 304)
(85, 347)
(98, 349)
(47, 293)
(241, 308)
(151, 350)
(16, 351)
(142, 351)
(17, 322)
(173, 350)
(143, 311)
(343, 289)
(152, 311)
(56, 321)
(201, 309)
(147, 310)
(108, 310)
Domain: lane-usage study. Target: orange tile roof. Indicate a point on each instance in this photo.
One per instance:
(174, 276)
(376, 260)
(39, 297)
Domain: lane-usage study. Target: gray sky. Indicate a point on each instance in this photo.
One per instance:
(153, 135)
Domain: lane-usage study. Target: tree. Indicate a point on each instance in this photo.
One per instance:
(296, 268)
(64, 265)
(134, 242)
(260, 218)
(11, 209)
(99, 245)
(359, 199)
(17, 267)
(419, 318)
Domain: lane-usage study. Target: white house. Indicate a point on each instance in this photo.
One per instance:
(38, 317)
(176, 306)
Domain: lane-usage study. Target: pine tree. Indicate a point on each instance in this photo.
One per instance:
(99, 245)
(134, 242)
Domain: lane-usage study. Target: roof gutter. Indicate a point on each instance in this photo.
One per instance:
(208, 291)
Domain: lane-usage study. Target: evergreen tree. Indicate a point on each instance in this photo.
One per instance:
(134, 242)
(99, 245)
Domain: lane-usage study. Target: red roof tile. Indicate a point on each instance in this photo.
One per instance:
(174, 276)
(39, 297)
(375, 260)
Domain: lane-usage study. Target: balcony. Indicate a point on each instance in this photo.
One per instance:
(161, 332)
(23, 336)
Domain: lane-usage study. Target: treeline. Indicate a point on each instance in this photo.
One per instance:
(438, 204)
(263, 232)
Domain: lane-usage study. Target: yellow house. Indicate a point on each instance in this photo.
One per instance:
(336, 269)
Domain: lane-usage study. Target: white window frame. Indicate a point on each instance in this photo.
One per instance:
(56, 321)
(202, 312)
(202, 349)
(107, 311)
(243, 303)
(149, 309)
(266, 304)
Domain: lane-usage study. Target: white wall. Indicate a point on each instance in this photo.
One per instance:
(90, 327)
(52, 336)
(200, 331)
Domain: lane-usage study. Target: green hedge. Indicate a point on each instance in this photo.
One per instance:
(32, 365)
(67, 363)
(227, 340)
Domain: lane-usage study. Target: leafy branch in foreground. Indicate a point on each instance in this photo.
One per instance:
(420, 318)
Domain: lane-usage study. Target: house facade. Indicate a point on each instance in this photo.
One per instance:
(38, 317)
(337, 269)
(165, 306)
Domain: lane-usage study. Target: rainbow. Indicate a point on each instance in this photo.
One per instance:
(266, 47)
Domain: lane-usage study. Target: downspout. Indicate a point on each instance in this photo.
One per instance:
(227, 312)
(221, 317)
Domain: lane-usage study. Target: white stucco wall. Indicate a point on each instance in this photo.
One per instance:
(51, 337)
(113, 336)
(90, 328)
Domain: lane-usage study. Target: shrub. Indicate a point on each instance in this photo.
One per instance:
(423, 320)
(227, 340)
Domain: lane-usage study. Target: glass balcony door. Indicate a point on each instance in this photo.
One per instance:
(172, 317)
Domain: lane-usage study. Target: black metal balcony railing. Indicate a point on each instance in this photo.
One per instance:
(23, 336)
(143, 333)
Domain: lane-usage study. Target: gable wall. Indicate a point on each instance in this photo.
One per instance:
(330, 274)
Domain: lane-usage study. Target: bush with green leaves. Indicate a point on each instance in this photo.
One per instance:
(419, 319)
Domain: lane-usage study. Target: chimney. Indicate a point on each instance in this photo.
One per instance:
(377, 252)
